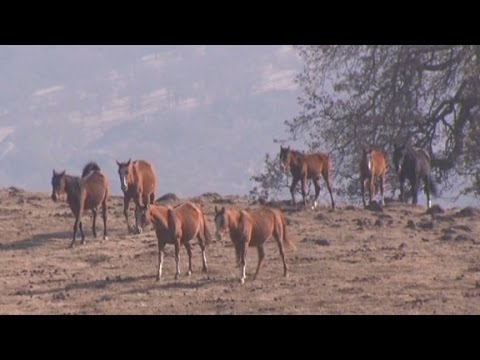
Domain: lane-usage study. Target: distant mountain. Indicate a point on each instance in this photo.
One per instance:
(203, 115)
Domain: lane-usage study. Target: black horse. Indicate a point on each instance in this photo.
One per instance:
(413, 164)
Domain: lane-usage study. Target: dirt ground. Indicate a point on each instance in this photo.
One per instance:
(349, 261)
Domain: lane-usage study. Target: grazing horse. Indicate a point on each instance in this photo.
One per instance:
(83, 193)
(413, 164)
(372, 167)
(253, 228)
(176, 226)
(305, 167)
(138, 182)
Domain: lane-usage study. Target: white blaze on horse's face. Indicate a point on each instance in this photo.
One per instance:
(123, 173)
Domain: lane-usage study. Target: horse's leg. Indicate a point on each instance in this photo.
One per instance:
(75, 226)
(161, 250)
(94, 231)
(80, 225)
(329, 187)
(371, 190)
(261, 256)
(362, 186)
(427, 191)
(202, 242)
(316, 185)
(126, 202)
(303, 182)
(104, 216)
(238, 253)
(292, 188)
(402, 190)
(415, 185)
(188, 246)
(382, 184)
(243, 247)
(177, 258)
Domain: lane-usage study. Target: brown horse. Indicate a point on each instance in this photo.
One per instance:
(83, 193)
(138, 182)
(176, 226)
(305, 167)
(253, 228)
(372, 167)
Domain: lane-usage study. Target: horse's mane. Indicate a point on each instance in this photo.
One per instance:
(91, 166)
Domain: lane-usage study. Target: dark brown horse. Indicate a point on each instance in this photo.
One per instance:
(373, 167)
(178, 225)
(138, 182)
(253, 228)
(305, 167)
(84, 193)
(413, 164)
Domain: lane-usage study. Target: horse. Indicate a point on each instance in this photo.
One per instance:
(303, 167)
(413, 164)
(253, 228)
(372, 167)
(178, 225)
(138, 182)
(83, 193)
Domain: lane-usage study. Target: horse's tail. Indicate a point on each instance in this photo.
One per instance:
(91, 166)
(206, 232)
(286, 240)
(171, 220)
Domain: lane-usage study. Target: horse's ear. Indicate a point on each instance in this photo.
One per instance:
(128, 162)
(62, 173)
(54, 172)
(223, 210)
(288, 147)
(118, 163)
(216, 210)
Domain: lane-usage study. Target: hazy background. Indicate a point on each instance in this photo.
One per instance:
(203, 115)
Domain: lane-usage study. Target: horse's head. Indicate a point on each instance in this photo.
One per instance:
(142, 217)
(367, 157)
(221, 223)
(124, 173)
(58, 184)
(399, 153)
(285, 157)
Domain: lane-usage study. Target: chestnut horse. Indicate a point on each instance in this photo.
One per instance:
(178, 225)
(253, 228)
(305, 167)
(83, 193)
(138, 182)
(372, 167)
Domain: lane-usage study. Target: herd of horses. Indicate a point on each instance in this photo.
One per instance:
(181, 224)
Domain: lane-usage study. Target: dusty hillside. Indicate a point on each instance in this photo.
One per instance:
(351, 261)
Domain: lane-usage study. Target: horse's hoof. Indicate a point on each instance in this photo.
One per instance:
(105, 238)
(189, 273)
(158, 278)
(204, 269)
(242, 281)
